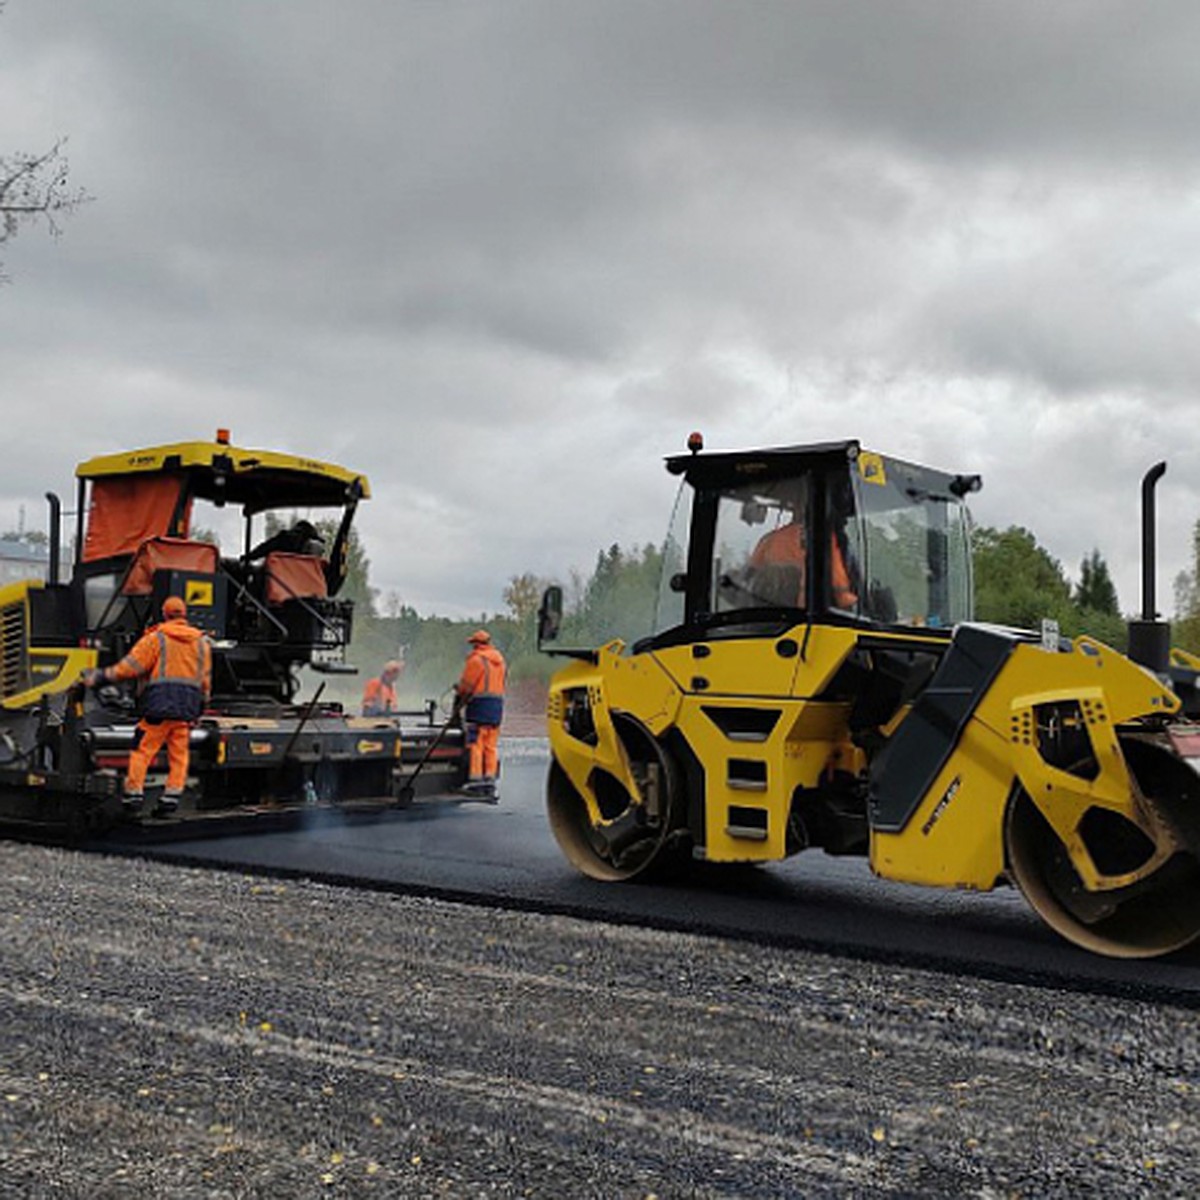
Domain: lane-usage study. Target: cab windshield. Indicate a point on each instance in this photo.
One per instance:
(912, 537)
(894, 547)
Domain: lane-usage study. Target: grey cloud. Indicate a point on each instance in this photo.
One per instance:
(502, 256)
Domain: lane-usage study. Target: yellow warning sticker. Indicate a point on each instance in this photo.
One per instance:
(199, 592)
(870, 467)
(365, 747)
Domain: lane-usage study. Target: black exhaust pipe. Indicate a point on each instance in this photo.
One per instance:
(55, 538)
(1150, 638)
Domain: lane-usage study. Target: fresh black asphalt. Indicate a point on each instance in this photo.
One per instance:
(505, 856)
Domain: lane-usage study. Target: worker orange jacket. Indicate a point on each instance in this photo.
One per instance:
(481, 685)
(174, 661)
(785, 547)
(378, 698)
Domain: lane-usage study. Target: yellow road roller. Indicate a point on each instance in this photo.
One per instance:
(815, 681)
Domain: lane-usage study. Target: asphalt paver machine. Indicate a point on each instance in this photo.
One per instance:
(269, 608)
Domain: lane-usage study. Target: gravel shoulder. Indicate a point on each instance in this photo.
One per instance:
(181, 1033)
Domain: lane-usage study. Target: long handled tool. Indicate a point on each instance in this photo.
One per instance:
(407, 791)
(291, 742)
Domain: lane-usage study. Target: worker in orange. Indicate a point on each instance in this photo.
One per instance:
(786, 547)
(379, 696)
(173, 661)
(480, 694)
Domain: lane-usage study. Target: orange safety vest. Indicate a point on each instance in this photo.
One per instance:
(786, 547)
(483, 674)
(175, 661)
(481, 685)
(378, 698)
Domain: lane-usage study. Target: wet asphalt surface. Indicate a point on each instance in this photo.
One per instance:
(506, 856)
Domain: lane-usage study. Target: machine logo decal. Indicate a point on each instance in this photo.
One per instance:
(870, 467)
(365, 747)
(198, 592)
(261, 747)
(942, 805)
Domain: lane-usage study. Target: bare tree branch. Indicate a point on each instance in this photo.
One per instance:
(35, 186)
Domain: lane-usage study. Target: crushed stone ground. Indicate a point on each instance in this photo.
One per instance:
(171, 1032)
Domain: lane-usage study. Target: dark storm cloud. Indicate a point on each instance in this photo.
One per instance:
(501, 256)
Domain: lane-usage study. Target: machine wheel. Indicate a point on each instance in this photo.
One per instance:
(1154, 916)
(632, 839)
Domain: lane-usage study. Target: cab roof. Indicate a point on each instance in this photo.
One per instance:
(724, 468)
(217, 471)
(723, 464)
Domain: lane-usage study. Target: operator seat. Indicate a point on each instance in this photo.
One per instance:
(291, 576)
(168, 554)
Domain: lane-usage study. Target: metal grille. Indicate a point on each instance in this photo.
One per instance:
(14, 650)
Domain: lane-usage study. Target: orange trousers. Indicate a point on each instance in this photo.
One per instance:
(484, 761)
(147, 742)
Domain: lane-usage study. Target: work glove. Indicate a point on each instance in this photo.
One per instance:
(92, 677)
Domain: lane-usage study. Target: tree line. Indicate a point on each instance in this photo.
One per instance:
(1018, 582)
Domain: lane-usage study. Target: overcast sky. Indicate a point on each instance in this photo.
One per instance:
(503, 256)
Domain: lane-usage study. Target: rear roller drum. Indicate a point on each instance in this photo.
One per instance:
(1154, 916)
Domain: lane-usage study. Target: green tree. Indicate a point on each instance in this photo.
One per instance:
(522, 596)
(1017, 581)
(1095, 591)
(618, 600)
(1186, 628)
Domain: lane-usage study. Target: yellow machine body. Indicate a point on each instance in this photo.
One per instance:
(955, 837)
(27, 673)
(148, 526)
(951, 755)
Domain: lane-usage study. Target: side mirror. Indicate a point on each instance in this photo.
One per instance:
(679, 582)
(753, 513)
(550, 615)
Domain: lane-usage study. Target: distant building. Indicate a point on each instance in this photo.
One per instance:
(20, 559)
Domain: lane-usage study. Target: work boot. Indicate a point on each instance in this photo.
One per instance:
(168, 804)
(480, 789)
(132, 803)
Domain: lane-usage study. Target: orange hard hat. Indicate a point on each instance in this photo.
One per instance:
(173, 606)
(480, 637)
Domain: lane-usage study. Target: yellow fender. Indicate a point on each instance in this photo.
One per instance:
(608, 681)
(1109, 690)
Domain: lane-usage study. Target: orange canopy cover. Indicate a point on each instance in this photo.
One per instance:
(126, 511)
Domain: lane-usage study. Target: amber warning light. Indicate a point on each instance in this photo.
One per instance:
(695, 442)
(223, 437)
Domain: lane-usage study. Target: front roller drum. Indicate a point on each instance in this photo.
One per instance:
(1154, 916)
(635, 835)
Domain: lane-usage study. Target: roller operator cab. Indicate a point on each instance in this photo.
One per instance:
(814, 680)
(265, 592)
